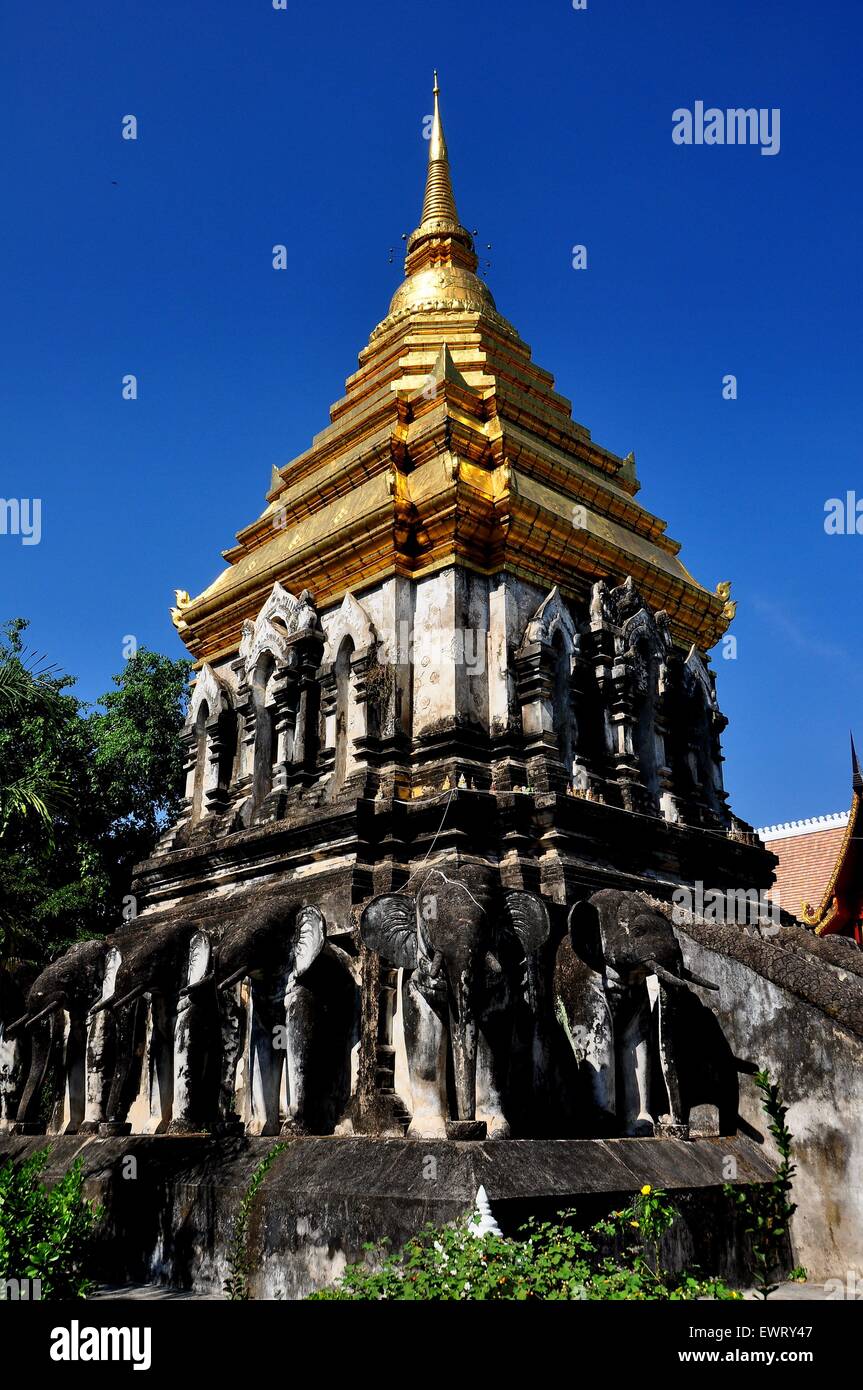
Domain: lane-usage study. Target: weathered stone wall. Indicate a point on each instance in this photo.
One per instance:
(817, 1061)
(170, 1205)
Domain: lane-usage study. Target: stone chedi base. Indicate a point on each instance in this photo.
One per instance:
(170, 1205)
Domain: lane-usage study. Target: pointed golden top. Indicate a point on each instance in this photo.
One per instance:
(440, 266)
(438, 203)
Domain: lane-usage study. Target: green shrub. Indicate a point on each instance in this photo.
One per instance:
(45, 1233)
(767, 1207)
(552, 1260)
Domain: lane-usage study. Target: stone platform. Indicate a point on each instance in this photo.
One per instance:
(170, 1202)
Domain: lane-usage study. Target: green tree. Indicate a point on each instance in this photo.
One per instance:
(84, 793)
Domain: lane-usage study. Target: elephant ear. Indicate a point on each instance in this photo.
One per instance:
(310, 933)
(528, 918)
(199, 957)
(585, 933)
(389, 926)
(112, 965)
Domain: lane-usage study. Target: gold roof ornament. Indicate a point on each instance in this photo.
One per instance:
(183, 601)
(729, 610)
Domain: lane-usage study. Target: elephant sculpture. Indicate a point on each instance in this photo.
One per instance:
(15, 981)
(161, 1046)
(619, 982)
(56, 1022)
(462, 945)
(298, 1019)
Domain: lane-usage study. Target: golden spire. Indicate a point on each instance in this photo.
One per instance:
(440, 266)
(438, 203)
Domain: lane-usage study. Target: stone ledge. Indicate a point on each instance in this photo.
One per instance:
(324, 1198)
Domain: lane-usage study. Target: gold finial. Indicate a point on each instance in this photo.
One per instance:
(438, 202)
(440, 265)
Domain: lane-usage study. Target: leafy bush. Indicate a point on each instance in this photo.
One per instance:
(553, 1260)
(45, 1234)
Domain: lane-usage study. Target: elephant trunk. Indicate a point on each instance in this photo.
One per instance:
(463, 1034)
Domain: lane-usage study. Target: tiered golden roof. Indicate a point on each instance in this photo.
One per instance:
(449, 446)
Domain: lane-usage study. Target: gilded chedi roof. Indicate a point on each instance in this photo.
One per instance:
(449, 446)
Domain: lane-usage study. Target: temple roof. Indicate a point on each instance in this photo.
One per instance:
(821, 862)
(450, 445)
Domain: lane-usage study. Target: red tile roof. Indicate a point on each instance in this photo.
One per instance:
(807, 856)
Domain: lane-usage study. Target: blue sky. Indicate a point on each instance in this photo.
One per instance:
(304, 126)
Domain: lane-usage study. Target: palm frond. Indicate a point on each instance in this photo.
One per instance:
(31, 796)
(15, 683)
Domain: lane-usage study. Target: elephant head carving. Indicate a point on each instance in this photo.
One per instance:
(619, 981)
(461, 940)
(261, 945)
(622, 933)
(70, 983)
(152, 960)
(302, 985)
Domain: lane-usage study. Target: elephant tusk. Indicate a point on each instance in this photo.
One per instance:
(493, 963)
(437, 962)
(694, 979)
(114, 1004)
(232, 979)
(197, 984)
(13, 1027)
(678, 981)
(43, 1013)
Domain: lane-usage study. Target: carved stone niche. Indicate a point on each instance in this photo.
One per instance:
(210, 744)
(277, 695)
(632, 648)
(350, 720)
(702, 726)
(546, 673)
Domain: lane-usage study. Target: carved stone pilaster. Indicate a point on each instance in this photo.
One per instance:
(535, 682)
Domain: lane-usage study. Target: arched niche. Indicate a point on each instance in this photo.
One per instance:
(265, 726)
(201, 722)
(211, 737)
(342, 672)
(349, 652)
(276, 666)
(544, 665)
(704, 725)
